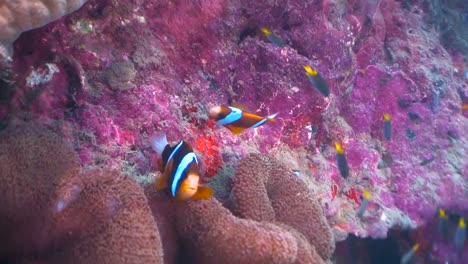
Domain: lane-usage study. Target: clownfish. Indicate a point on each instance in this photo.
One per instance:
(317, 80)
(237, 119)
(179, 168)
(272, 37)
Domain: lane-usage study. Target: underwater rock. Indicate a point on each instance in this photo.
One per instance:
(19, 16)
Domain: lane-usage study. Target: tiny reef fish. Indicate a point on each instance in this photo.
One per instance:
(427, 161)
(317, 80)
(406, 258)
(237, 119)
(460, 235)
(341, 161)
(365, 202)
(443, 224)
(387, 127)
(179, 168)
(272, 37)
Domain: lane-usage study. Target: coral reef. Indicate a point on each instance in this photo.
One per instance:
(51, 213)
(114, 72)
(205, 232)
(210, 232)
(165, 215)
(31, 176)
(272, 193)
(19, 16)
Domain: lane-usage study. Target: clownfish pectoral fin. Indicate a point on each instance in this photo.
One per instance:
(160, 165)
(161, 183)
(203, 192)
(240, 106)
(235, 130)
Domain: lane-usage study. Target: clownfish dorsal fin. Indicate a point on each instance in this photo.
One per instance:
(235, 130)
(158, 142)
(203, 192)
(241, 107)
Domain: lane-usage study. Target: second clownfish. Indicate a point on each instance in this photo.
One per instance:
(237, 119)
(179, 168)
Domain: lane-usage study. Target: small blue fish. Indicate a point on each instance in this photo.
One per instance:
(341, 161)
(387, 127)
(179, 168)
(364, 203)
(406, 258)
(413, 116)
(460, 235)
(427, 161)
(273, 38)
(317, 80)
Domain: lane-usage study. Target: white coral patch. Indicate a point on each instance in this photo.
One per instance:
(41, 76)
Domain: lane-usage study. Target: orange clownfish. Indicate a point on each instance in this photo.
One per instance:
(237, 119)
(179, 168)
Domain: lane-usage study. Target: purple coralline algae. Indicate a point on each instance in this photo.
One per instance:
(115, 72)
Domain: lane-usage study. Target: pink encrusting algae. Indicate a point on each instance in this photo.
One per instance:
(113, 73)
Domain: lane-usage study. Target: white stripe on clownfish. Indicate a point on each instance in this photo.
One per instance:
(174, 152)
(183, 165)
(232, 117)
(261, 122)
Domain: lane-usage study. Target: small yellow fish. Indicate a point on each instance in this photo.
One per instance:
(460, 235)
(272, 38)
(317, 80)
(387, 127)
(341, 161)
(365, 202)
(406, 258)
(443, 224)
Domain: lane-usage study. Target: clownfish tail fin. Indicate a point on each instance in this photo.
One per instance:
(158, 142)
(272, 117)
